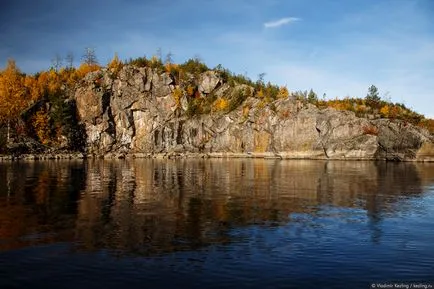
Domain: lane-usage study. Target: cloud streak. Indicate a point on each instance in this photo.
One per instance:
(280, 22)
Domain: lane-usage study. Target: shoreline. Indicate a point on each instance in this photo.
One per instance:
(190, 155)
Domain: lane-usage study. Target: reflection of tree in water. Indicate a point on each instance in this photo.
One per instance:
(40, 203)
(152, 206)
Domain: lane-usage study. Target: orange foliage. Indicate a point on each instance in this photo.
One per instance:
(190, 90)
(41, 126)
(395, 111)
(171, 67)
(115, 64)
(370, 129)
(428, 124)
(13, 94)
(85, 69)
(385, 111)
(221, 104)
(33, 88)
(68, 76)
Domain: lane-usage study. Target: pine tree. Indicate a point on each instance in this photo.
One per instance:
(372, 98)
(312, 97)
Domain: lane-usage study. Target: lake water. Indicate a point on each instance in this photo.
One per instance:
(237, 223)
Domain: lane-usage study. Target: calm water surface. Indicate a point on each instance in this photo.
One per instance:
(215, 224)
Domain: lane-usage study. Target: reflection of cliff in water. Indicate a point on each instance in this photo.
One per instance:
(151, 206)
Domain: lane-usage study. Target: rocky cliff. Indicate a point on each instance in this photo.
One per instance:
(140, 111)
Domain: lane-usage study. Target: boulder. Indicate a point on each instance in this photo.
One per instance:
(209, 81)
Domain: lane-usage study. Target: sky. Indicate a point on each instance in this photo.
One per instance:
(336, 47)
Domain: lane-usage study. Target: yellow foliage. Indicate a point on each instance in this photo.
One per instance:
(115, 64)
(177, 95)
(385, 111)
(221, 104)
(340, 104)
(41, 126)
(13, 94)
(33, 88)
(261, 104)
(171, 67)
(43, 80)
(260, 93)
(85, 69)
(47, 82)
(54, 83)
(283, 92)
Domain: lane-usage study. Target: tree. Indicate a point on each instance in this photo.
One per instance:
(89, 57)
(283, 92)
(12, 94)
(169, 58)
(372, 98)
(194, 66)
(42, 126)
(115, 64)
(260, 80)
(312, 97)
(69, 60)
(56, 62)
(168, 62)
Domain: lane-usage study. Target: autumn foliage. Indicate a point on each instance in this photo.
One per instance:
(221, 104)
(24, 98)
(14, 95)
(370, 129)
(115, 64)
(37, 104)
(42, 126)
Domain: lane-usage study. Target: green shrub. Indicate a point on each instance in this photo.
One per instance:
(194, 66)
(139, 61)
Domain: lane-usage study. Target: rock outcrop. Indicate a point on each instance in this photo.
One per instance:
(136, 112)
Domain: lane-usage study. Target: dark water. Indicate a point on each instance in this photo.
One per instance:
(215, 224)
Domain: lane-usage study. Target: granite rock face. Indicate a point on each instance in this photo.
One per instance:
(137, 112)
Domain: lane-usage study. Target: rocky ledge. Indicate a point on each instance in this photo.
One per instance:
(140, 112)
(43, 156)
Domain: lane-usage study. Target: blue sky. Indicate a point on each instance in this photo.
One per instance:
(337, 47)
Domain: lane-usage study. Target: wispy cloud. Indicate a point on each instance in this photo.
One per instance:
(340, 51)
(280, 22)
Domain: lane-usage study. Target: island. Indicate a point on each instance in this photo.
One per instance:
(149, 108)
